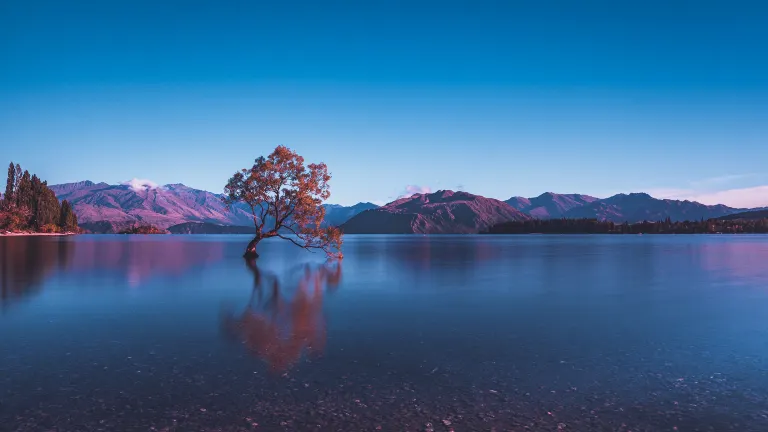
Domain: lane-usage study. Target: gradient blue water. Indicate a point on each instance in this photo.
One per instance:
(448, 332)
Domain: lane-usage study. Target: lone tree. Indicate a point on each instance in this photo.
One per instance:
(285, 198)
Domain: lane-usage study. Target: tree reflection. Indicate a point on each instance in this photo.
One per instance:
(280, 322)
(25, 263)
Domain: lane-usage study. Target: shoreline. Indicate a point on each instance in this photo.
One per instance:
(22, 234)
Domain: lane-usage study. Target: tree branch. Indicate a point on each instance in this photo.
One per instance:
(277, 204)
(303, 246)
(285, 217)
(263, 215)
(292, 230)
(255, 218)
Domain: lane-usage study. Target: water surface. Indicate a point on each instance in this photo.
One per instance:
(464, 333)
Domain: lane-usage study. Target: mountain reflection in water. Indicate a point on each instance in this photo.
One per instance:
(137, 260)
(26, 262)
(283, 320)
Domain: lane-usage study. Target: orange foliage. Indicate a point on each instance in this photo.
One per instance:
(281, 188)
(14, 218)
(50, 228)
(143, 229)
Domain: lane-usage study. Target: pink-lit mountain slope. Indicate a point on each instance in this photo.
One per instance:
(549, 205)
(442, 212)
(163, 206)
(104, 208)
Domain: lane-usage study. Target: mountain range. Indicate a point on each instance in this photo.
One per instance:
(104, 208)
(638, 207)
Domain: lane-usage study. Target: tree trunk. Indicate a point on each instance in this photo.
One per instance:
(250, 250)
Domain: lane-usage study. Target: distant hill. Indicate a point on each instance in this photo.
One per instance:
(442, 212)
(104, 227)
(747, 215)
(637, 207)
(336, 215)
(209, 228)
(549, 205)
(104, 208)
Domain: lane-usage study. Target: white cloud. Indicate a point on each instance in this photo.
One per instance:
(722, 180)
(414, 189)
(140, 184)
(756, 196)
(749, 197)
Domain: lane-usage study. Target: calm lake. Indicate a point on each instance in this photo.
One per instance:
(408, 333)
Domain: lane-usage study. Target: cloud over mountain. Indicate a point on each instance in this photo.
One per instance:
(140, 184)
(415, 189)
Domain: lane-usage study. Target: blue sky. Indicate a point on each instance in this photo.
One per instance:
(497, 98)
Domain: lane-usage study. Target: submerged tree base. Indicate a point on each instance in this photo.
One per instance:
(250, 250)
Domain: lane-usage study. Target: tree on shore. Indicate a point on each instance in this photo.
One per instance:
(143, 229)
(67, 218)
(10, 185)
(285, 198)
(23, 192)
(30, 205)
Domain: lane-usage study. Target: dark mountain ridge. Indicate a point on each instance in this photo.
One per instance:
(549, 205)
(336, 215)
(638, 207)
(441, 212)
(747, 215)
